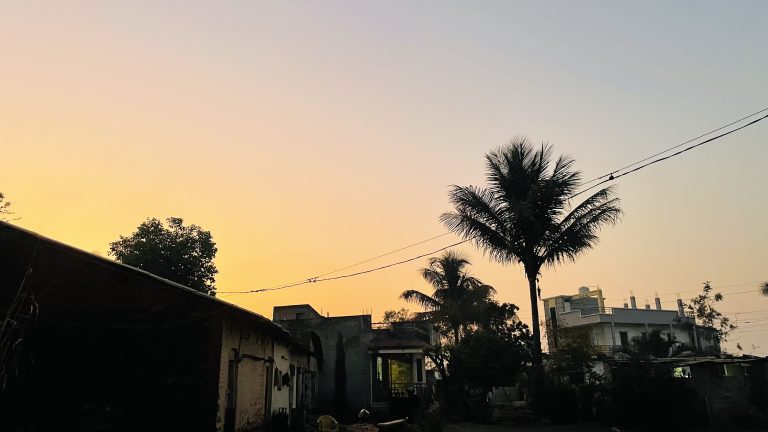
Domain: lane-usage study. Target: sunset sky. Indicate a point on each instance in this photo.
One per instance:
(308, 136)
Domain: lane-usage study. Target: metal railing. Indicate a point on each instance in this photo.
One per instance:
(595, 311)
(422, 330)
(405, 390)
(397, 325)
(611, 311)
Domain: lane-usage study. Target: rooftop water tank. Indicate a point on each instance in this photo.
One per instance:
(583, 290)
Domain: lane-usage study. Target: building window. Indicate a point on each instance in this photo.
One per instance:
(419, 371)
(624, 338)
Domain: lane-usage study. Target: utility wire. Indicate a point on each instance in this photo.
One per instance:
(385, 254)
(759, 311)
(714, 287)
(751, 331)
(674, 147)
(611, 177)
(724, 294)
(315, 280)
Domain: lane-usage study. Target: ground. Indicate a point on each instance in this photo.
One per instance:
(474, 427)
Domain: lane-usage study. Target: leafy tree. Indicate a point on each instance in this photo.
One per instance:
(458, 299)
(183, 254)
(764, 288)
(524, 215)
(571, 362)
(651, 345)
(702, 307)
(502, 319)
(491, 353)
(403, 314)
(5, 208)
(486, 359)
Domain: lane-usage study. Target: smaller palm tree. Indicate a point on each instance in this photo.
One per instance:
(458, 299)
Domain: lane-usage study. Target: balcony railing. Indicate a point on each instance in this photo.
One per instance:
(421, 330)
(596, 311)
(405, 390)
(611, 311)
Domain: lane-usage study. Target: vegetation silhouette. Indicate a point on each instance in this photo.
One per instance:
(523, 215)
(182, 254)
(702, 307)
(5, 208)
(401, 315)
(459, 299)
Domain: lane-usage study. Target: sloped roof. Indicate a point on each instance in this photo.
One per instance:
(262, 321)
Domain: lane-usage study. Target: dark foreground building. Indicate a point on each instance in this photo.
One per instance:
(90, 344)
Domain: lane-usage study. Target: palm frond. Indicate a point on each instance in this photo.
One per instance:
(578, 230)
(434, 277)
(479, 217)
(420, 298)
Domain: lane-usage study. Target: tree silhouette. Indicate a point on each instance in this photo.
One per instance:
(524, 214)
(702, 307)
(403, 314)
(5, 208)
(182, 254)
(458, 298)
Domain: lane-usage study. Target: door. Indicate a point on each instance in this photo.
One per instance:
(267, 394)
(231, 408)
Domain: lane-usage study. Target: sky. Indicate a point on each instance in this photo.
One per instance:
(309, 136)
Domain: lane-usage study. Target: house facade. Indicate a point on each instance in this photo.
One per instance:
(613, 328)
(90, 344)
(380, 367)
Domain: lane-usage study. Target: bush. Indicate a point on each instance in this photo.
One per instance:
(559, 402)
(431, 419)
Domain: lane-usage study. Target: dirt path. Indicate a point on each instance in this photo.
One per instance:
(474, 427)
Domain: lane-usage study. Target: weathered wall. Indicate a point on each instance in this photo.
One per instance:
(281, 392)
(354, 334)
(240, 341)
(728, 396)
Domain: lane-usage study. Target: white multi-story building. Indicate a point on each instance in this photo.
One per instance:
(613, 328)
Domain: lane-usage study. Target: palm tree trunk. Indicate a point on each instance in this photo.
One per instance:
(536, 349)
(456, 334)
(537, 371)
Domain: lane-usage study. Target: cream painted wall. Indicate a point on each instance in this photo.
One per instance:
(238, 337)
(281, 394)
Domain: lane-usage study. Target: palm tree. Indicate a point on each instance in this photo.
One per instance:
(524, 214)
(458, 297)
(764, 288)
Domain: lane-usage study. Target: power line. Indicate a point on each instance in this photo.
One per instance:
(758, 311)
(611, 177)
(725, 293)
(752, 331)
(714, 287)
(385, 254)
(655, 161)
(674, 147)
(315, 280)
(754, 320)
